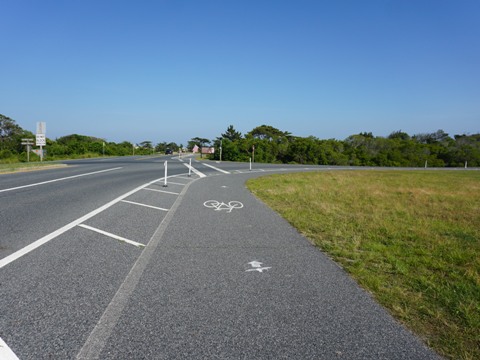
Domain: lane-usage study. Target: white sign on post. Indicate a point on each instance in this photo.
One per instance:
(41, 128)
(40, 140)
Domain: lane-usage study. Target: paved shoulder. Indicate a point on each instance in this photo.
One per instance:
(230, 279)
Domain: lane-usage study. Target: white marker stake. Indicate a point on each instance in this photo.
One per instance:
(190, 168)
(166, 167)
(250, 164)
(465, 164)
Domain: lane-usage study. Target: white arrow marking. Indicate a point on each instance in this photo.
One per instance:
(255, 264)
(259, 269)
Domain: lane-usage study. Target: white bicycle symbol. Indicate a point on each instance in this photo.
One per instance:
(219, 206)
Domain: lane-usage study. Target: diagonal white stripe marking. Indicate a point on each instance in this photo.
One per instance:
(215, 168)
(113, 236)
(202, 175)
(162, 191)
(12, 257)
(144, 205)
(174, 183)
(61, 179)
(5, 352)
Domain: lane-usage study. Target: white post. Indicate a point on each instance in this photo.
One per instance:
(465, 164)
(190, 168)
(250, 164)
(166, 171)
(221, 142)
(426, 161)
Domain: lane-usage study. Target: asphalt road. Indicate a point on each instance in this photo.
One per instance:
(100, 260)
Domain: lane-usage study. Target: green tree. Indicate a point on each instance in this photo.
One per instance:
(10, 135)
(231, 134)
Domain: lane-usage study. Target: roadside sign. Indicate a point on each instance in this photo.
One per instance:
(41, 140)
(27, 141)
(41, 128)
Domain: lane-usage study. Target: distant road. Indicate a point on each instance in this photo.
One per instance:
(102, 260)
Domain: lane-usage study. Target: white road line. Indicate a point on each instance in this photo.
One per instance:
(5, 352)
(61, 179)
(202, 175)
(162, 191)
(174, 183)
(215, 168)
(12, 257)
(144, 205)
(102, 331)
(113, 236)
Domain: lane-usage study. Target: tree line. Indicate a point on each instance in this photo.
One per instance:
(267, 144)
(270, 145)
(70, 146)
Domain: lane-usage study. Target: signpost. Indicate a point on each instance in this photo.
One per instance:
(28, 143)
(41, 139)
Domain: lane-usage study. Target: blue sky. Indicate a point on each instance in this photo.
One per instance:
(170, 70)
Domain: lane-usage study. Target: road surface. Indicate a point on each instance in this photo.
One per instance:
(101, 260)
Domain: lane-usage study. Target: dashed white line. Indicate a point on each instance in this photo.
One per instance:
(60, 179)
(113, 236)
(144, 205)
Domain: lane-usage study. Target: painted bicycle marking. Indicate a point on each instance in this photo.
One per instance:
(219, 206)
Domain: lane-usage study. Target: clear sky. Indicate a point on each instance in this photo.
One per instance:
(170, 70)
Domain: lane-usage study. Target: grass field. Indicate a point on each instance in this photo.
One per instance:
(411, 238)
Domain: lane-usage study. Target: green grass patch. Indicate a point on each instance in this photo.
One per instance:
(412, 238)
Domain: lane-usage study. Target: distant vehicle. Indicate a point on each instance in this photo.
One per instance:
(168, 152)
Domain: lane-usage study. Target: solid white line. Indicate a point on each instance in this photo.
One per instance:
(163, 191)
(113, 236)
(215, 168)
(61, 179)
(12, 257)
(202, 175)
(144, 205)
(5, 352)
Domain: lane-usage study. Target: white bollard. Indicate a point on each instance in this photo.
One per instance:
(250, 164)
(166, 172)
(190, 168)
(465, 164)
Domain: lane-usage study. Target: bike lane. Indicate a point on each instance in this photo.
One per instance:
(237, 281)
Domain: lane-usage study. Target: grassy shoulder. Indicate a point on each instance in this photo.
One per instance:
(411, 238)
(32, 166)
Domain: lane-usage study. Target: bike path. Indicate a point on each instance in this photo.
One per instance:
(237, 284)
